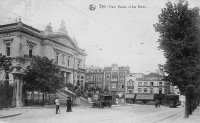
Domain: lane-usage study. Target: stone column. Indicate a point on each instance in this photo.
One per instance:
(18, 91)
(14, 93)
(75, 78)
(21, 91)
(71, 77)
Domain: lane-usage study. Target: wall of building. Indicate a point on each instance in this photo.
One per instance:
(94, 77)
(115, 78)
(146, 85)
(130, 83)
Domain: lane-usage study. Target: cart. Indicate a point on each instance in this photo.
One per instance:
(103, 101)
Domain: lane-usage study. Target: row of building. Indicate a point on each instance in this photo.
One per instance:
(118, 80)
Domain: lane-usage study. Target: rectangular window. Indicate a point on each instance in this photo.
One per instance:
(140, 84)
(91, 78)
(145, 90)
(94, 78)
(145, 83)
(63, 58)
(79, 62)
(160, 83)
(130, 91)
(160, 90)
(151, 83)
(57, 57)
(114, 85)
(68, 61)
(8, 49)
(151, 90)
(139, 90)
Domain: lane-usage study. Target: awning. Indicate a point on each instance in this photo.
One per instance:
(130, 96)
(144, 97)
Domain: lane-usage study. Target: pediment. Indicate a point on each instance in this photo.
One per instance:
(66, 41)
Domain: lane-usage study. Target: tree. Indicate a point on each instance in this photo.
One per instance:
(5, 89)
(179, 29)
(43, 75)
(5, 63)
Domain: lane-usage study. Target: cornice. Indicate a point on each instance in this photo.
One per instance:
(19, 28)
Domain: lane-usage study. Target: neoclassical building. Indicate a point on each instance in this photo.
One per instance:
(19, 40)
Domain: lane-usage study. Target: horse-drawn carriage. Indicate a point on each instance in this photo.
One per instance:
(102, 101)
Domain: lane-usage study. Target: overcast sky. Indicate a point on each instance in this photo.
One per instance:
(124, 36)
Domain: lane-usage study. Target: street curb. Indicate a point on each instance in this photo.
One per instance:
(1, 117)
(167, 117)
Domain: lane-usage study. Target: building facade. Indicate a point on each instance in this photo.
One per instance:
(130, 83)
(145, 87)
(115, 78)
(21, 40)
(151, 85)
(130, 87)
(94, 77)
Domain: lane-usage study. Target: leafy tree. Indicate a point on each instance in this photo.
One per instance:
(5, 63)
(5, 93)
(43, 75)
(179, 29)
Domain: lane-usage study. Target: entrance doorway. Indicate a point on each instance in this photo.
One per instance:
(6, 94)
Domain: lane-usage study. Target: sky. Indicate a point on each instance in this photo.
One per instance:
(109, 34)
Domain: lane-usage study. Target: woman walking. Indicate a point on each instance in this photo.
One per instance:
(69, 105)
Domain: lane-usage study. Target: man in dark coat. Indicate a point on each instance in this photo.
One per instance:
(69, 104)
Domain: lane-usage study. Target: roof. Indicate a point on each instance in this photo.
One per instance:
(22, 24)
(144, 96)
(129, 95)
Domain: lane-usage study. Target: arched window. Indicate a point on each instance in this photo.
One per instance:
(30, 53)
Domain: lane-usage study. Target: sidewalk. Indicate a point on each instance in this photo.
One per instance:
(10, 112)
(193, 118)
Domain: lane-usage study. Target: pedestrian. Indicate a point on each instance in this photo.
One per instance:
(156, 103)
(159, 103)
(57, 105)
(69, 104)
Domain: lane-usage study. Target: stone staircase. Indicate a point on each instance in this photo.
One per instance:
(65, 93)
(84, 102)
